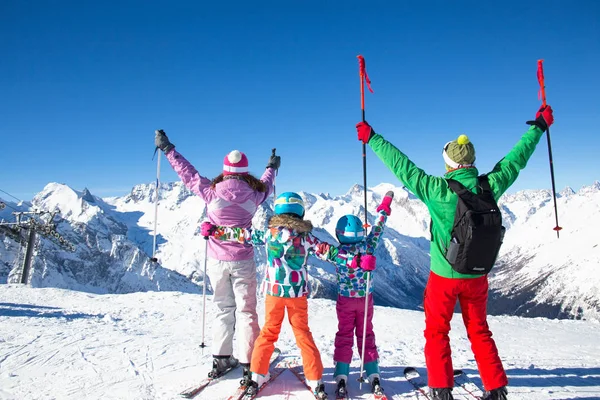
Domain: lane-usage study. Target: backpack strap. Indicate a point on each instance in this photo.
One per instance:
(463, 192)
(459, 188)
(484, 183)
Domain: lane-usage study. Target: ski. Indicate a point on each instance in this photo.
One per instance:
(415, 379)
(241, 390)
(297, 370)
(461, 379)
(247, 396)
(379, 396)
(194, 391)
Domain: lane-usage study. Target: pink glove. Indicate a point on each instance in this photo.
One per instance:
(368, 261)
(386, 202)
(207, 229)
(355, 261)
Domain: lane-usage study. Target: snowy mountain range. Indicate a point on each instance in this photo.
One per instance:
(537, 274)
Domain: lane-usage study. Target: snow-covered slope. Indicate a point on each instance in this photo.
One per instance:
(537, 274)
(67, 345)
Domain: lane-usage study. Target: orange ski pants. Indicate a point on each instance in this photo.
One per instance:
(297, 308)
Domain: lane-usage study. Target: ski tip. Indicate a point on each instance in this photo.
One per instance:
(409, 370)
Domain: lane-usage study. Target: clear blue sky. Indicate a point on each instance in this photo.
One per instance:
(84, 85)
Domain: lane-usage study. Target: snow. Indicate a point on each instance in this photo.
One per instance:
(62, 344)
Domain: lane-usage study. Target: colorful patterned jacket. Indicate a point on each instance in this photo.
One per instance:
(353, 282)
(291, 238)
(288, 242)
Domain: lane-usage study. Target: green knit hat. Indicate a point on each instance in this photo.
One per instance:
(459, 153)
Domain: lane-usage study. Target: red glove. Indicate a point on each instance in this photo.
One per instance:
(364, 132)
(207, 229)
(543, 118)
(367, 262)
(322, 248)
(546, 113)
(386, 202)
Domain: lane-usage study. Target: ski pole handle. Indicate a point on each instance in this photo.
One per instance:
(540, 75)
(361, 74)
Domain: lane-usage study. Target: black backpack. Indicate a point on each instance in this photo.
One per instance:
(477, 233)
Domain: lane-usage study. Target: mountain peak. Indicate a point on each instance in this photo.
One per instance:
(594, 187)
(567, 191)
(355, 189)
(87, 196)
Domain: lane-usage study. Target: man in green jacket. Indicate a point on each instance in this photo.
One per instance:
(445, 285)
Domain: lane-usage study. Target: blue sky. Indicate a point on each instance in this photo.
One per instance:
(85, 84)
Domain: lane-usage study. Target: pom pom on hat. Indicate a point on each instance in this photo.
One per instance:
(235, 162)
(459, 153)
(463, 139)
(234, 157)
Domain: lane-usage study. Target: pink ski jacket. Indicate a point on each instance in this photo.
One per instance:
(231, 203)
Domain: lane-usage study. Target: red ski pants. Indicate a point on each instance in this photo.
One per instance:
(440, 298)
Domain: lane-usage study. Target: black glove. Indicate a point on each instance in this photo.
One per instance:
(162, 141)
(274, 161)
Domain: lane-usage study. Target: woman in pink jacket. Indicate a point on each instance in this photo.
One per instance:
(232, 198)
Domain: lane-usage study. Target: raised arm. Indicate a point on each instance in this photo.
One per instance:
(186, 171)
(268, 177)
(384, 210)
(424, 186)
(507, 170)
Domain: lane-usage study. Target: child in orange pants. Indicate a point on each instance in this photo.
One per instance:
(288, 241)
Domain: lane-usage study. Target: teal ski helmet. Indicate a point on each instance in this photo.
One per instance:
(349, 230)
(289, 203)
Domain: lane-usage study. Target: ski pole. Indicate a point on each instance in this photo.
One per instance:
(542, 94)
(362, 71)
(276, 172)
(154, 259)
(202, 345)
(363, 76)
(364, 333)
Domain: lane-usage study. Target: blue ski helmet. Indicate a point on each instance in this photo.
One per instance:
(349, 229)
(289, 203)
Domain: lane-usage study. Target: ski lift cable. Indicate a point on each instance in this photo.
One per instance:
(16, 198)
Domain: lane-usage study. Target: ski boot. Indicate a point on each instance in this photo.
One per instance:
(496, 394)
(319, 391)
(341, 392)
(246, 375)
(376, 387)
(251, 389)
(222, 364)
(441, 394)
